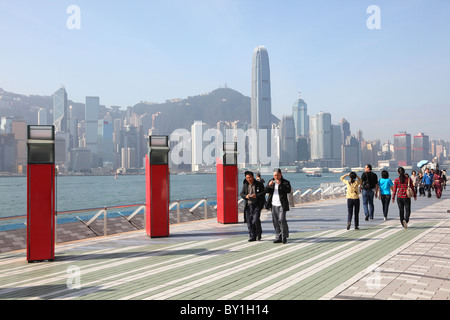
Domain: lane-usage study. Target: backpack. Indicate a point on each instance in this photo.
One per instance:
(366, 183)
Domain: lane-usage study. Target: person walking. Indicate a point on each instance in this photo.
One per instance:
(385, 189)
(421, 185)
(415, 179)
(427, 181)
(254, 196)
(352, 196)
(368, 184)
(259, 178)
(404, 202)
(437, 184)
(444, 178)
(278, 189)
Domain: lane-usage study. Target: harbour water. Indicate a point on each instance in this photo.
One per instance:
(82, 192)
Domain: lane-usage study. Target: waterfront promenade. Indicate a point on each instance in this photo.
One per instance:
(204, 260)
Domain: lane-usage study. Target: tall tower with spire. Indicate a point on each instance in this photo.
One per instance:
(261, 102)
(60, 110)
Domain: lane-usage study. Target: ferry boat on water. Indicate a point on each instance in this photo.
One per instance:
(315, 174)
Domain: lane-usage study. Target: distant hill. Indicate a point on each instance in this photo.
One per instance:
(220, 104)
(26, 106)
(223, 104)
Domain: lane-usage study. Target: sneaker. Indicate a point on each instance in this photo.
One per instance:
(384, 218)
(356, 228)
(405, 225)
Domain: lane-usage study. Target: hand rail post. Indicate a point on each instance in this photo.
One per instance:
(105, 224)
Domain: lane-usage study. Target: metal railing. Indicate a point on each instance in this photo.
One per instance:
(104, 211)
(297, 196)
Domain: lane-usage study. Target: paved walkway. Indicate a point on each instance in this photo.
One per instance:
(205, 260)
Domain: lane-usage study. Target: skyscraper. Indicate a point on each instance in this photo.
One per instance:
(105, 143)
(421, 148)
(91, 126)
(301, 118)
(42, 117)
(60, 110)
(8, 151)
(351, 151)
(288, 148)
(345, 129)
(261, 103)
(19, 129)
(402, 148)
(320, 134)
(336, 144)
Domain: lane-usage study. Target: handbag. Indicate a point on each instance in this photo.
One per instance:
(409, 190)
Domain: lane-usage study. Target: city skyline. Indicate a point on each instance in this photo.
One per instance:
(394, 76)
(89, 144)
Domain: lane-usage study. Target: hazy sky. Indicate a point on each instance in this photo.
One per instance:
(381, 80)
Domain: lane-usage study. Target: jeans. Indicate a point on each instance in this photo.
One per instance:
(280, 222)
(367, 196)
(353, 207)
(404, 206)
(385, 200)
(253, 221)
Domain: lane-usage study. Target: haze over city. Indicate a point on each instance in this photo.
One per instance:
(382, 80)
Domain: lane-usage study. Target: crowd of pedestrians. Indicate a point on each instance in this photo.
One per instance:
(403, 188)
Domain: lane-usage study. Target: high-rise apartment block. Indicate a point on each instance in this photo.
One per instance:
(402, 148)
(421, 147)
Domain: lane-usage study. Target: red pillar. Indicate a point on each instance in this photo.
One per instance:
(157, 191)
(227, 193)
(41, 200)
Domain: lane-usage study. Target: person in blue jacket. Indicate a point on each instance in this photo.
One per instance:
(427, 181)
